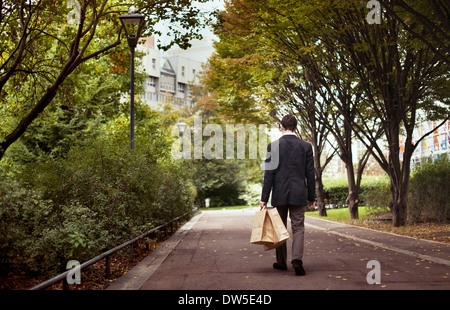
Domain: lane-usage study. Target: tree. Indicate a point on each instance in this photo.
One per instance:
(40, 49)
(297, 86)
(295, 94)
(232, 78)
(400, 75)
(427, 21)
(395, 72)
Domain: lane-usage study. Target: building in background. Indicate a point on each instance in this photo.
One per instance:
(432, 146)
(429, 149)
(170, 75)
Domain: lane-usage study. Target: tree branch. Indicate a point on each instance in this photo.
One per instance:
(429, 133)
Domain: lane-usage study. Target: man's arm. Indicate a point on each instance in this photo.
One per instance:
(268, 181)
(310, 176)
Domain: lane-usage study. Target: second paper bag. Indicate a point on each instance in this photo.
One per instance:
(268, 229)
(279, 230)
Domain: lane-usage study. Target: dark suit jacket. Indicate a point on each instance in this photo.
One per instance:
(292, 182)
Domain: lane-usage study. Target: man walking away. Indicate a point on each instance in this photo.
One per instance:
(293, 187)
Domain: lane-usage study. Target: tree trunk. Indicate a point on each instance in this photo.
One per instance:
(353, 204)
(26, 121)
(353, 201)
(399, 214)
(399, 188)
(320, 200)
(353, 192)
(318, 169)
(398, 207)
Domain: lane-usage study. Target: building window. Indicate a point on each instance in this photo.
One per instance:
(154, 63)
(151, 81)
(193, 73)
(182, 70)
(181, 88)
(167, 83)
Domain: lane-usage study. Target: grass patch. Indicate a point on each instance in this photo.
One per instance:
(341, 214)
(366, 180)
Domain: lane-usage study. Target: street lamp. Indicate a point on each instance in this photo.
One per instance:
(132, 24)
(181, 128)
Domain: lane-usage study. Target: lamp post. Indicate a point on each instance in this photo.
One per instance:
(132, 24)
(181, 128)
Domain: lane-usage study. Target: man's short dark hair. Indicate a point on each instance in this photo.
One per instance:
(289, 122)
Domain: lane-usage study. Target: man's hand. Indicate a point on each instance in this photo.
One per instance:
(311, 205)
(262, 205)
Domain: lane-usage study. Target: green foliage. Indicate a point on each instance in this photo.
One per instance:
(252, 194)
(45, 57)
(336, 195)
(220, 180)
(428, 191)
(22, 213)
(374, 192)
(340, 214)
(70, 187)
(328, 53)
(98, 195)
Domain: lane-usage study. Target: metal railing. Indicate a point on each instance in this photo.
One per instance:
(107, 255)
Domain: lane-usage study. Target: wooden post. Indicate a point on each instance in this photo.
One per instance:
(131, 252)
(65, 284)
(108, 267)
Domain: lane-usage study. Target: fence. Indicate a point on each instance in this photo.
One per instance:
(107, 255)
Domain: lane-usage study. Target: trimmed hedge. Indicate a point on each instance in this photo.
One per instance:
(374, 192)
(429, 192)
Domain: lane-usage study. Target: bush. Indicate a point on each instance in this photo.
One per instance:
(96, 197)
(22, 214)
(428, 192)
(336, 192)
(252, 194)
(374, 193)
(220, 180)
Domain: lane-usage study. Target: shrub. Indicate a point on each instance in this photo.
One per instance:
(220, 180)
(374, 193)
(428, 191)
(336, 194)
(96, 197)
(252, 194)
(22, 213)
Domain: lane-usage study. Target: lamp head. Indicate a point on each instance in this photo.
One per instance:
(133, 24)
(182, 127)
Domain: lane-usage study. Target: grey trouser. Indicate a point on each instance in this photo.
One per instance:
(297, 216)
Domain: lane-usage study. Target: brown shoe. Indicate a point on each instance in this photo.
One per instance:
(298, 267)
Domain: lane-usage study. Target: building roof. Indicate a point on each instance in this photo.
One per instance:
(167, 68)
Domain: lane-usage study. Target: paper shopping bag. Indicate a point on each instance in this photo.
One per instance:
(262, 231)
(279, 230)
(268, 229)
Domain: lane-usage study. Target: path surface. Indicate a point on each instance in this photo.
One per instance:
(212, 252)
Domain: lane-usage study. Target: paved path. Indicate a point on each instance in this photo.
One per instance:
(212, 252)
